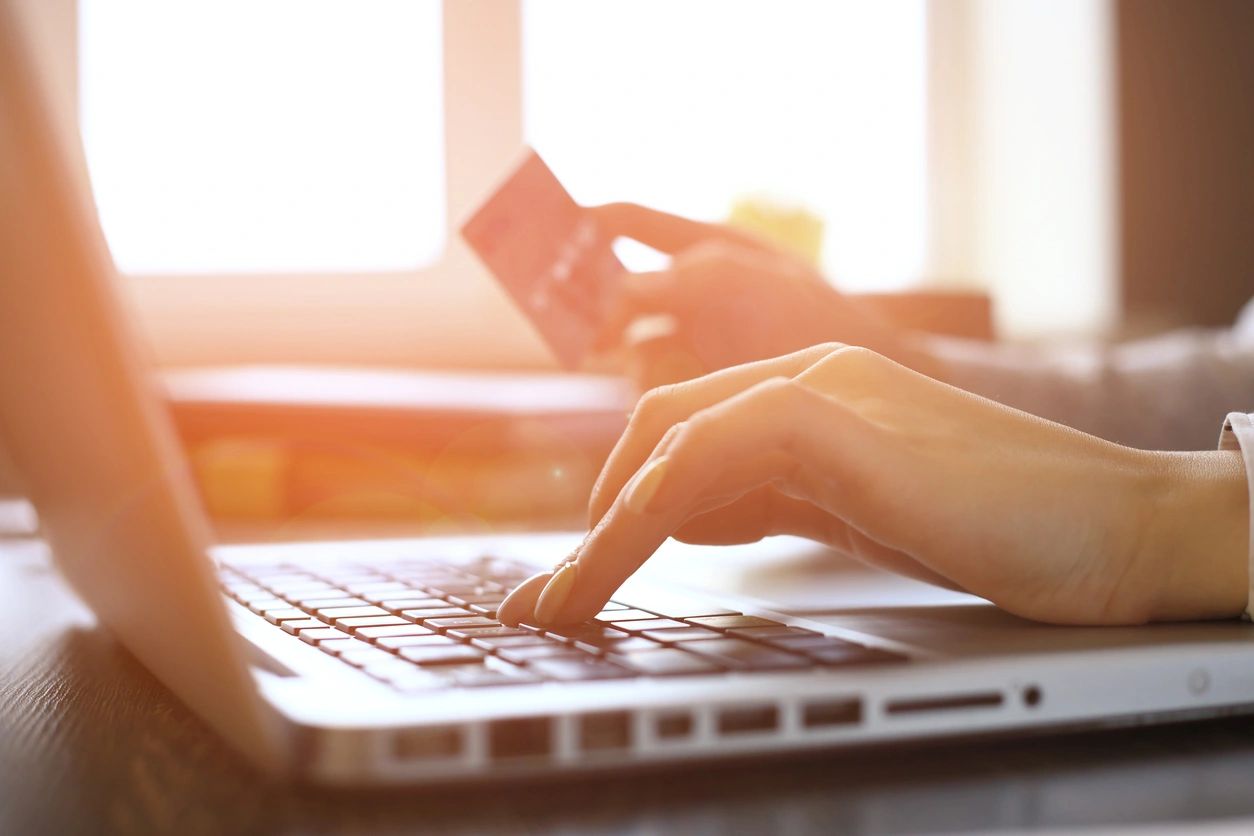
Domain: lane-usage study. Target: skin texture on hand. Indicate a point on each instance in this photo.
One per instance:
(729, 298)
(849, 448)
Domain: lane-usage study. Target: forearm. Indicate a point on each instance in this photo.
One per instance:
(1167, 393)
(1197, 546)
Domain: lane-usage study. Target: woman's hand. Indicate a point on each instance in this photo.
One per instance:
(847, 447)
(729, 299)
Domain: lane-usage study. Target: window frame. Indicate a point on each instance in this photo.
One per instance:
(436, 316)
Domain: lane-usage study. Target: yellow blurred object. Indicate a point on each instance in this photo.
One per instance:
(794, 228)
(242, 478)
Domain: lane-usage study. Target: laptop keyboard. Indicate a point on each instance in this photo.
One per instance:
(424, 625)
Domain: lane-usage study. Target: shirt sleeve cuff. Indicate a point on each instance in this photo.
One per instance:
(1238, 434)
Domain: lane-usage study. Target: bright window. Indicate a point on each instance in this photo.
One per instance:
(265, 136)
(689, 106)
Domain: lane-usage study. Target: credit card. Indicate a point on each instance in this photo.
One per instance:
(551, 256)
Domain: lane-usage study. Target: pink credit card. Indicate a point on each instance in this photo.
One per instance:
(550, 255)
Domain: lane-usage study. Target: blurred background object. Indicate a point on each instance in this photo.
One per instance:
(1184, 71)
(1033, 169)
(789, 227)
(1081, 161)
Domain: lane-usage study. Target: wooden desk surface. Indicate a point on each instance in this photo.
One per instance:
(89, 742)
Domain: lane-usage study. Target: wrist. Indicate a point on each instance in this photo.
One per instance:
(1197, 544)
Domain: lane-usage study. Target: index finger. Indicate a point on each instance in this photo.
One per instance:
(726, 452)
(663, 231)
(662, 408)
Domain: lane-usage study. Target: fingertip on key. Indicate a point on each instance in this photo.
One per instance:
(520, 604)
(555, 593)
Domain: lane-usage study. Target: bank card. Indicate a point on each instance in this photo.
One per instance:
(550, 255)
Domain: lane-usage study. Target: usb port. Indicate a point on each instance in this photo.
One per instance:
(756, 718)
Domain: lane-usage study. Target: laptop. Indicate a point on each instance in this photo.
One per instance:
(370, 663)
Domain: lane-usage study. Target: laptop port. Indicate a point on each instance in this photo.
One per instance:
(745, 719)
(524, 738)
(843, 712)
(607, 730)
(923, 705)
(673, 726)
(421, 744)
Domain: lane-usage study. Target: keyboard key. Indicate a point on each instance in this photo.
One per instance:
(393, 630)
(646, 625)
(814, 640)
(698, 611)
(626, 643)
(407, 593)
(447, 612)
(363, 657)
(405, 677)
(666, 662)
(492, 598)
(465, 621)
(731, 622)
(271, 578)
(463, 589)
(395, 643)
(574, 669)
(477, 676)
(369, 621)
(624, 615)
(492, 643)
(322, 634)
(522, 655)
(742, 654)
(312, 603)
(335, 647)
(296, 625)
(260, 605)
(338, 647)
(398, 604)
(853, 655)
(682, 634)
(771, 633)
(581, 632)
(249, 594)
(289, 614)
(373, 587)
(343, 579)
(309, 590)
(449, 655)
(592, 638)
(334, 613)
(498, 631)
(388, 668)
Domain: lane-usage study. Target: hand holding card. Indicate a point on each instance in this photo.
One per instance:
(551, 256)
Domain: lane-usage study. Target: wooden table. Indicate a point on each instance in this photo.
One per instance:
(89, 742)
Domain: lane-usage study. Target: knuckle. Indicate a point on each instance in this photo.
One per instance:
(827, 349)
(689, 432)
(779, 390)
(671, 434)
(656, 405)
(855, 355)
(708, 255)
(852, 361)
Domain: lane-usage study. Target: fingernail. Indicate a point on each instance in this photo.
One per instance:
(555, 593)
(645, 487)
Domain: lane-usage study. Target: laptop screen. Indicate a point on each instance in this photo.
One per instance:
(92, 446)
